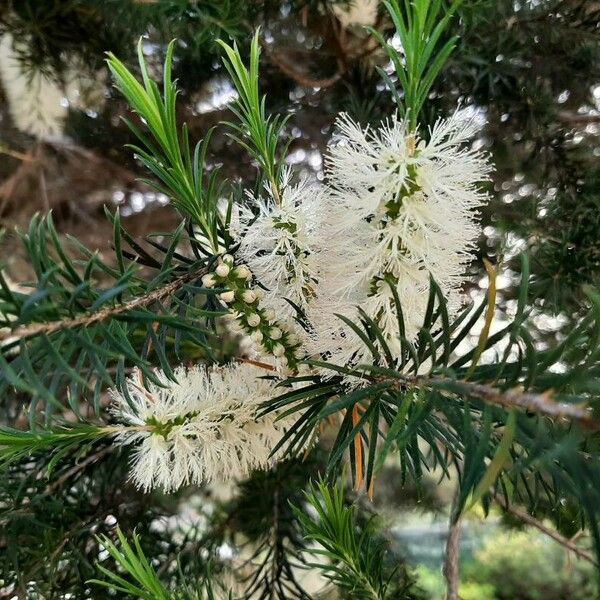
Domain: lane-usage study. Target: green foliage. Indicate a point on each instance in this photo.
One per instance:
(259, 133)
(16, 445)
(169, 159)
(433, 584)
(262, 513)
(199, 25)
(135, 564)
(70, 333)
(48, 523)
(140, 579)
(525, 566)
(353, 561)
(493, 63)
(515, 63)
(53, 36)
(420, 25)
(454, 414)
(46, 33)
(515, 565)
(566, 257)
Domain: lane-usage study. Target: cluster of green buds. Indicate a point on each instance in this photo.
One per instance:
(274, 338)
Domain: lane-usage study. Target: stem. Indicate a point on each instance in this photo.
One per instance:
(539, 403)
(112, 429)
(34, 329)
(80, 466)
(526, 518)
(451, 562)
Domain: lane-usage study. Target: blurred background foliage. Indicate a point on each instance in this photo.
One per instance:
(517, 566)
(529, 69)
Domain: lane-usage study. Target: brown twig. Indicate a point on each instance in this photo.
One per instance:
(92, 458)
(301, 78)
(451, 561)
(86, 320)
(16, 154)
(526, 518)
(256, 363)
(578, 119)
(539, 403)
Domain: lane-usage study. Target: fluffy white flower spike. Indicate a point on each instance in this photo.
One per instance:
(281, 243)
(402, 210)
(200, 428)
(369, 168)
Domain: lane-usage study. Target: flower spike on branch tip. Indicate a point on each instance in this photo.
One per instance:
(402, 203)
(282, 243)
(201, 428)
(279, 241)
(403, 211)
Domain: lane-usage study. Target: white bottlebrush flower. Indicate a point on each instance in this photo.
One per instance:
(368, 167)
(201, 428)
(401, 210)
(281, 244)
